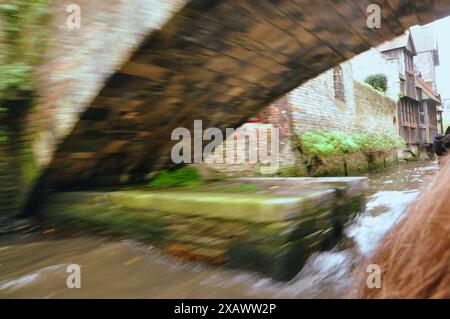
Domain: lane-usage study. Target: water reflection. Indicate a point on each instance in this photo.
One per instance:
(34, 265)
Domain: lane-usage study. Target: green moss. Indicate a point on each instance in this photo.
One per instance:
(233, 188)
(23, 41)
(113, 220)
(240, 231)
(319, 144)
(184, 177)
(334, 153)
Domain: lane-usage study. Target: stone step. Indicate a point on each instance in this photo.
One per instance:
(260, 231)
(245, 207)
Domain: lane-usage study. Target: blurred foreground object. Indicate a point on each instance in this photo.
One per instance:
(415, 256)
(441, 143)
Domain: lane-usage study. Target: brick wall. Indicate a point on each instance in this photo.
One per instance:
(278, 115)
(313, 106)
(220, 61)
(78, 61)
(76, 64)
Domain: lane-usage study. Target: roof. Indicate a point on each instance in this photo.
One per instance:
(403, 41)
(427, 91)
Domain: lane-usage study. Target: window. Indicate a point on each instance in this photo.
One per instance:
(421, 114)
(409, 62)
(418, 94)
(409, 113)
(338, 79)
(432, 115)
(402, 87)
(393, 54)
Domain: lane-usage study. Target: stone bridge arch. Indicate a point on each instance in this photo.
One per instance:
(220, 61)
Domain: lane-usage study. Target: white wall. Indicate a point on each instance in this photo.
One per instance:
(372, 62)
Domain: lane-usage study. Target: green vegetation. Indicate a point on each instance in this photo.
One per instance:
(232, 188)
(23, 37)
(378, 143)
(320, 143)
(183, 177)
(190, 178)
(3, 136)
(317, 146)
(239, 230)
(378, 82)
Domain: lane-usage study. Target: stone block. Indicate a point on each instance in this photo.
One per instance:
(271, 230)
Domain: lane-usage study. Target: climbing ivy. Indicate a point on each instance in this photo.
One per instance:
(22, 41)
(23, 37)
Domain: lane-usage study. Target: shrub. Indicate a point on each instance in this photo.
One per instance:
(378, 82)
(378, 143)
(392, 140)
(318, 145)
(321, 144)
(183, 177)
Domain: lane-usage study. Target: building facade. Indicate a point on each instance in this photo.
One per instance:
(334, 101)
(419, 103)
(340, 100)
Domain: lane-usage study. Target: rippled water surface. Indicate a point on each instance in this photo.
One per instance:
(33, 259)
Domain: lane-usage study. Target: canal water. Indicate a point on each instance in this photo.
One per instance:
(34, 259)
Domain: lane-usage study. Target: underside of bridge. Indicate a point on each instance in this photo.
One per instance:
(218, 61)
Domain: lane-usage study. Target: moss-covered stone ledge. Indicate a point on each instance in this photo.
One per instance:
(264, 231)
(349, 186)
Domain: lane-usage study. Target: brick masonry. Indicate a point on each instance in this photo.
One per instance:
(221, 61)
(313, 106)
(75, 66)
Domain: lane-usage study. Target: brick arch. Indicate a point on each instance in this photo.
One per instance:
(221, 61)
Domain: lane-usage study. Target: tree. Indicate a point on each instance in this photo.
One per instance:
(378, 82)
